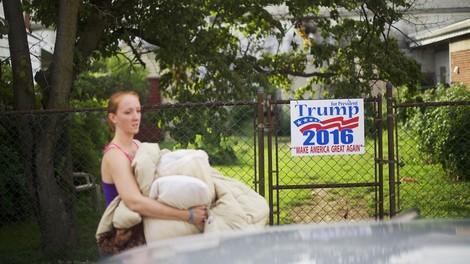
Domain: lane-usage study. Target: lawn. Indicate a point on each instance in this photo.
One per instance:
(433, 193)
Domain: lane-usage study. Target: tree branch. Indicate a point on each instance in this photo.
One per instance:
(296, 73)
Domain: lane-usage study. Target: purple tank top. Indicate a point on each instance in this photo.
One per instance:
(109, 189)
(109, 192)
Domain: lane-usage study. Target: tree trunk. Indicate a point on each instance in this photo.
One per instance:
(20, 58)
(47, 159)
(55, 186)
(53, 158)
(62, 71)
(23, 91)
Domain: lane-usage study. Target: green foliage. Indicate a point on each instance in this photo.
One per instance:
(201, 128)
(370, 115)
(407, 95)
(242, 114)
(13, 193)
(89, 134)
(282, 118)
(219, 50)
(105, 76)
(443, 130)
(6, 79)
(387, 64)
(357, 52)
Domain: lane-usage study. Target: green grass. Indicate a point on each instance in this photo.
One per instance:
(21, 242)
(435, 195)
(307, 170)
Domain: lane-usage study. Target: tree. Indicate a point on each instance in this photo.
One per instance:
(218, 49)
(441, 140)
(50, 178)
(208, 50)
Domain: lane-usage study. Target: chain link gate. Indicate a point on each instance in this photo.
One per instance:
(318, 188)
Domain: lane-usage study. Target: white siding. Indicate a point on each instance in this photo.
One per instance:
(39, 39)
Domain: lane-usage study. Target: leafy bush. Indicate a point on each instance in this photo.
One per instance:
(370, 128)
(443, 130)
(203, 128)
(14, 199)
(89, 135)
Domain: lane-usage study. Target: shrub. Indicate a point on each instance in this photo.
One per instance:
(14, 199)
(443, 130)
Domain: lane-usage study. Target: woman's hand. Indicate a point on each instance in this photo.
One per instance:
(198, 214)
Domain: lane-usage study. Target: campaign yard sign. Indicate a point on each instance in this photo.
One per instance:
(327, 127)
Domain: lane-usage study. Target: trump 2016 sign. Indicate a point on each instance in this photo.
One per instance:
(327, 127)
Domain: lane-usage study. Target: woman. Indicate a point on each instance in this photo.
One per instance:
(124, 113)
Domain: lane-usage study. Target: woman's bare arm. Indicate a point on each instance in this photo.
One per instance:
(118, 167)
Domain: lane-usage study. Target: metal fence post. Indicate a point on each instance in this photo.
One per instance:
(391, 153)
(269, 126)
(379, 130)
(260, 127)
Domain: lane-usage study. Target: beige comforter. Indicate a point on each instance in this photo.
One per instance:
(232, 205)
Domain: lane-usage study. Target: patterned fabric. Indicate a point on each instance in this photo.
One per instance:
(118, 240)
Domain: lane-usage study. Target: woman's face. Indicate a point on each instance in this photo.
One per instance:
(127, 117)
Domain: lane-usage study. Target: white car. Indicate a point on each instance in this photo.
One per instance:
(394, 241)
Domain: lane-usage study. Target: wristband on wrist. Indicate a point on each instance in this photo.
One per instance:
(191, 215)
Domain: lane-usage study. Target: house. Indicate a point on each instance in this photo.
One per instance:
(436, 33)
(444, 53)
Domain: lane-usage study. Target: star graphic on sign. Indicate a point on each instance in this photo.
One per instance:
(304, 120)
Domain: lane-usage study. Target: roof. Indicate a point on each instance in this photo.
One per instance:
(451, 31)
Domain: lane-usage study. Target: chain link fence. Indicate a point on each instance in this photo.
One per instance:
(224, 130)
(27, 199)
(298, 189)
(433, 158)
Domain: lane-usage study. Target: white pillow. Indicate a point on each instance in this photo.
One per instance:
(188, 162)
(180, 191)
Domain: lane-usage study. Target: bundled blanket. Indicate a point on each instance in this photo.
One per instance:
(184, 179)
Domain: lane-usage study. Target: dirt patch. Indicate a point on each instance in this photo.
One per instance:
(327, 206)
